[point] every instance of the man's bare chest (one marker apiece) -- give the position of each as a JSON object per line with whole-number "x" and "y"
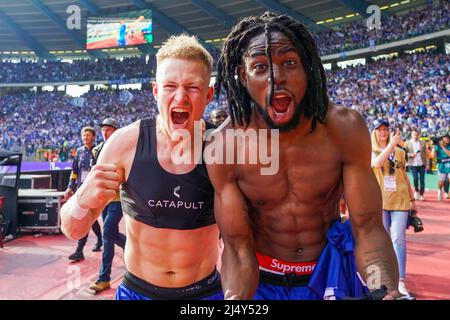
{"x": 306, "y": 174}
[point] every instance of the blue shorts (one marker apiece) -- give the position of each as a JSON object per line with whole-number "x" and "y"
{"x": 335, "y": 276}
{"x": 134, "y": 288}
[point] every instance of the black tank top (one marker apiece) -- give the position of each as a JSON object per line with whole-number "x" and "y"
{"x": 161, "y": 199}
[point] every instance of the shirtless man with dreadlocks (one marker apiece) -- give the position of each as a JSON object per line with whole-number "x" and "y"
{"x": 288, "y": 224}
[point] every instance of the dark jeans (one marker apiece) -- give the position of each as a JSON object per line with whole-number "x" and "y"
{"x": 98, "y": 232}
{"x": 418, "y": 173}
{"x": 112, "y": 215}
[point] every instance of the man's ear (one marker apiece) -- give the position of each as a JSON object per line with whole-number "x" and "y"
{"x": 210, "y": 94}
{"x": 155, "y": 89}
{"x": 242, "y": 75}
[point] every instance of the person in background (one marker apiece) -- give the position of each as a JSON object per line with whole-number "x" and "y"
{"x": 442, "y": 153}
{"x": 389, "y": 166}
{"x": 112, "y": 214}
{"x": 417, "y": 161}
{"x": 81, "y": 166}
{"x": 218, "y": 116}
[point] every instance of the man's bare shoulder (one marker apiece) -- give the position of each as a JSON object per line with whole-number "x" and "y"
{"x": 120, "y": 143}
{"x": 345, "y": 123}
{"x": 338, "y": 116}
{"x": 348, "y": 130}
{"x": 125, "y": 137}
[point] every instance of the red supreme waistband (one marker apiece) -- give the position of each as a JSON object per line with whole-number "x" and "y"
{"x": 278, "y": 266}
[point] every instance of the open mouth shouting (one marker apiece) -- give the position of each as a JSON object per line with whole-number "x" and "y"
{"x": 179, "y": 117}
{"x": 282, "y": 108}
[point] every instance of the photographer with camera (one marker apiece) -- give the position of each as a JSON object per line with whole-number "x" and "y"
{"x": 441, "y": 151}
{"x": 389, "y": 164}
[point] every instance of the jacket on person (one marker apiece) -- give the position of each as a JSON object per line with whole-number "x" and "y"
{"x": 410, "y": 150}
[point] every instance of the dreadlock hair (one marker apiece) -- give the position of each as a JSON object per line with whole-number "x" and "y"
{"x": 315, "y": 101}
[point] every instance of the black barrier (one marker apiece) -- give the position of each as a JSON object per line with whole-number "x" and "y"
{"x": 12, "y": 178}
{"x": 59, "y": 178}
{"x": 10, "y": 163}
{"x": 39, "y": 200}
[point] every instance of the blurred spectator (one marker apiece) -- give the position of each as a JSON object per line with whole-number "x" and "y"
{"x": 417, "y": 161}
{"x": 112, "y": 214}
{"x": 442, "y": 153}
{"x": 80, "y": 168}
{"x": 389, "y": 164}
{"x": 217, "y": 116}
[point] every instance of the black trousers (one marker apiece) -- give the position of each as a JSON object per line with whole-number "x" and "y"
{"x": 418, "y": 174}
{"x": 98, "y": 232}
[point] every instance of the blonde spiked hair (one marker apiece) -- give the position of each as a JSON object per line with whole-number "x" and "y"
{"x": 184, "y": 46}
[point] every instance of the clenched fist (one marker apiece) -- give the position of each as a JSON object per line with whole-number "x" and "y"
{"x": 101, "y": 186}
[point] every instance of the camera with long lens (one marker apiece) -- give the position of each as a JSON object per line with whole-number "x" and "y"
{"x": 415, "y": 221}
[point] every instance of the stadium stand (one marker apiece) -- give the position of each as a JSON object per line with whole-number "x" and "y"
{"x": 412, "y": 90}
{"x": 342, "y": 37}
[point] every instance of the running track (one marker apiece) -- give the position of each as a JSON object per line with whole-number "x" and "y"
{"x": 37, "y": 267}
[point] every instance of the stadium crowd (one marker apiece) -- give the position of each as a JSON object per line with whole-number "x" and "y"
{"x": 410, "y": 91}
{"x": 77, "y": 70}
{"x": 393, "y": 27}
{"x": 343, "y": 37}
{"x": 53, "y": 120}
{"x": 111, "y": 69}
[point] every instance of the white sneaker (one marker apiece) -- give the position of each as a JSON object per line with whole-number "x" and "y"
{"x": 402, "y": 288}
{"x": 440, "y": 195}
{"x": 446, "y": 196}
{"x": 421, "y": 198}
{"x": 416, "y": 195}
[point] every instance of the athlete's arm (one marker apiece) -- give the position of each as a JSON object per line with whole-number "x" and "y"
{"x": 100, "y": 187}
{"x": 239, "y": 271}
{"x": 374, "y": 252}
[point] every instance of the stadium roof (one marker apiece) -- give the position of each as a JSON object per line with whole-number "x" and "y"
{"x": 40, "y": 25}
